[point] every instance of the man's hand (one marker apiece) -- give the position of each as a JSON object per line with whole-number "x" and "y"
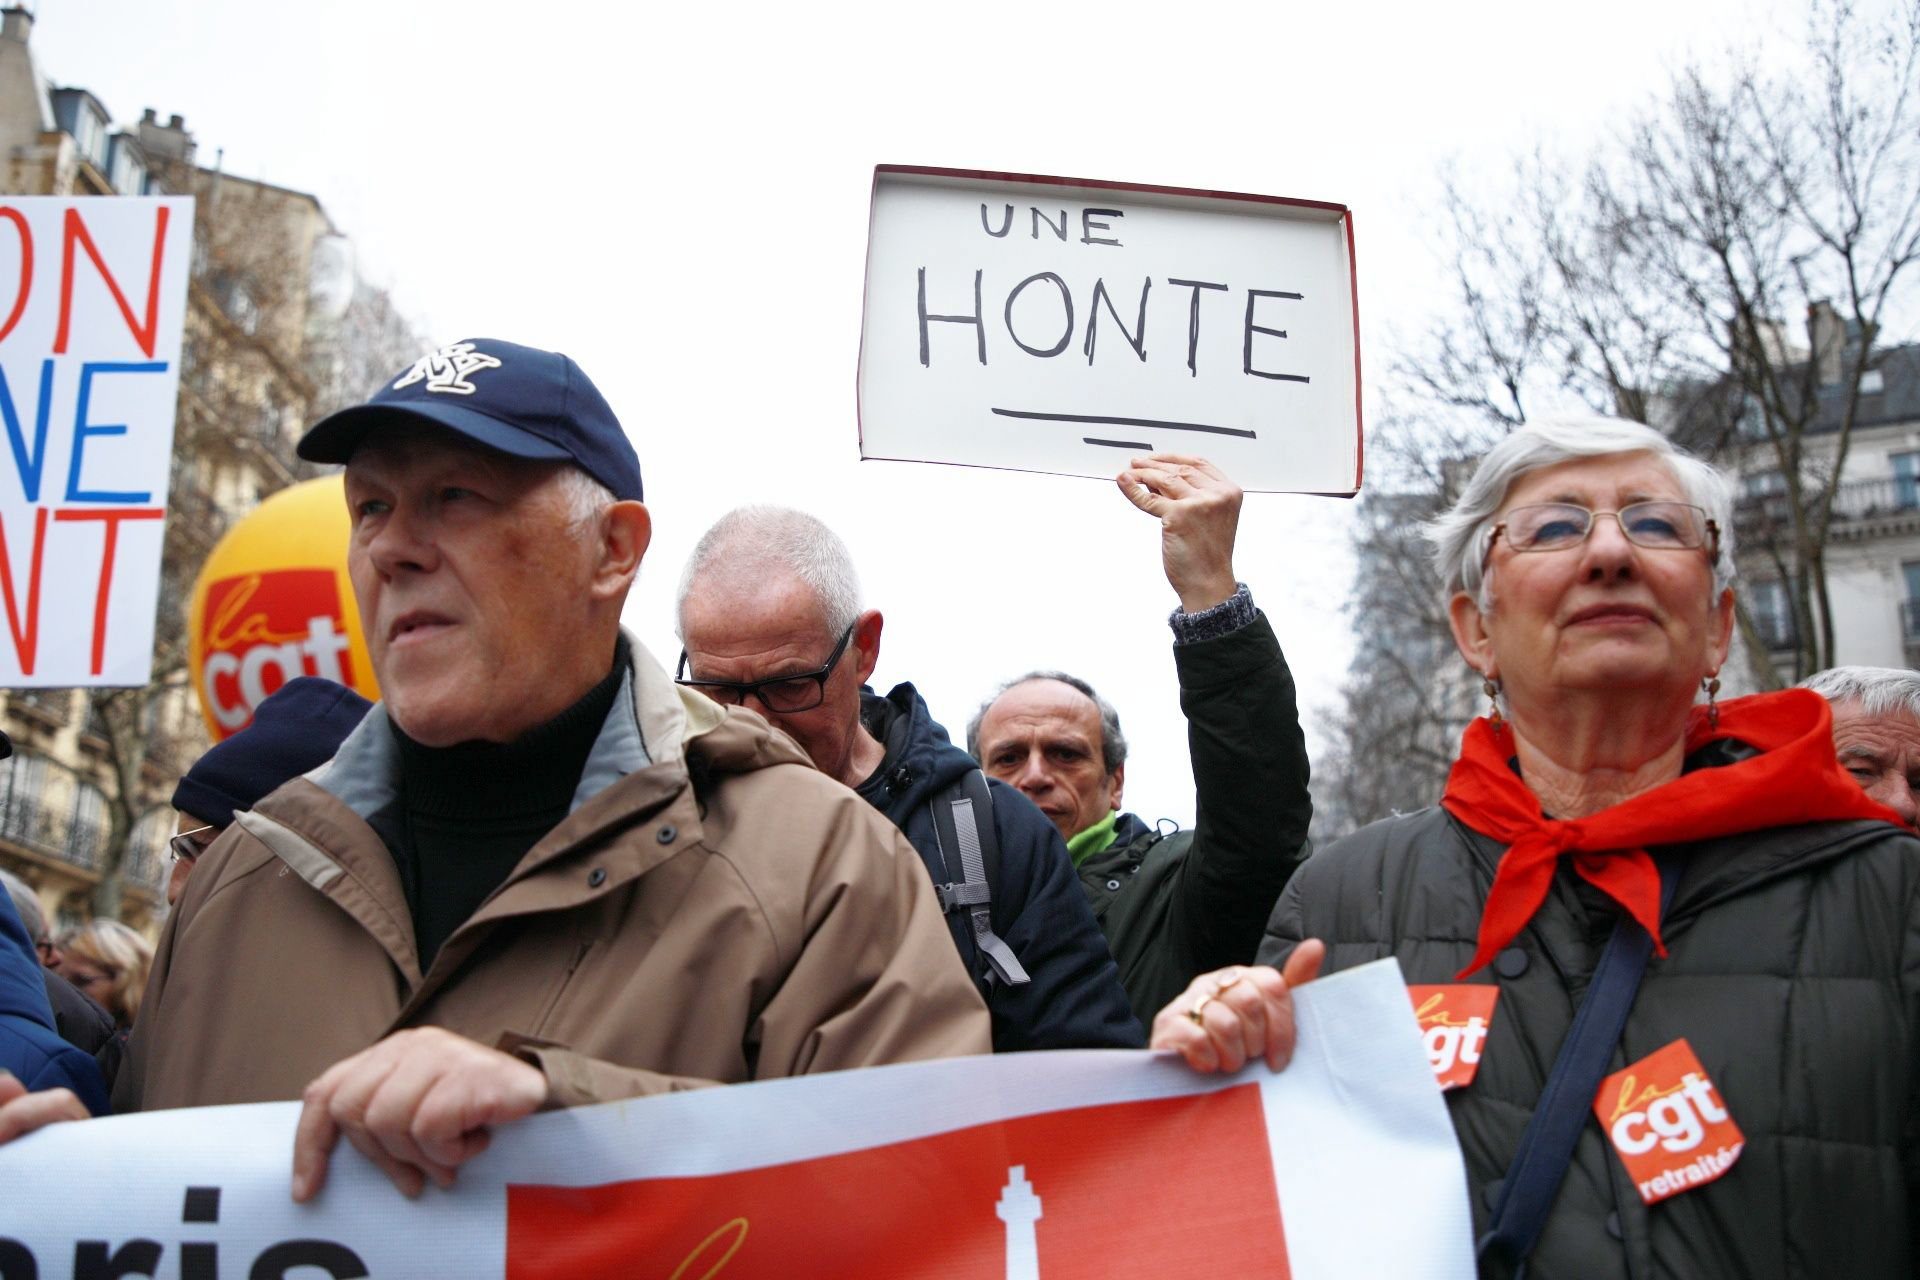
{"x": 22, "y": 1112}
{"x": 1199, "y": 511}
{"x": 418, "y": 1104}
{"x": 1226, "y": 1019}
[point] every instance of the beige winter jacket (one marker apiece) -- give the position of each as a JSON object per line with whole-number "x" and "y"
{"x": 763, "y": 923}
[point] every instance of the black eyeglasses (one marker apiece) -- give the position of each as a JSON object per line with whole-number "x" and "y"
{"x": 800, "y": 692}
{"x": 184, "y": 848}
{"x": 1560, "y": 526}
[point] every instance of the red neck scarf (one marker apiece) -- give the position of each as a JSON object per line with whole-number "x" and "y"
{"x": 1795, "y": 779}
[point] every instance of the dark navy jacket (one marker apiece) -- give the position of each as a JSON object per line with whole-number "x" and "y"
{"x": 29, "y": 1046}
{"x": 1075, "y": 1000}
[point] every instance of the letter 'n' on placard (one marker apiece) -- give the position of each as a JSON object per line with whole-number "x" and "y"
{"x": 1063, "y": 325}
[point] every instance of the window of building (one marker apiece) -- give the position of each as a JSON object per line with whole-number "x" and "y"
{"x": 24, "y": 818}
{"x": 1770, "y": 604}
{"x": 1906, "y": 480}
{"x": 1763, "y": 484}
{"x": 87, "y": 833}
{"x": 1910, "y": 607}
{"x": 237, "y": 301}
{"x": 90, "y": 135}
{"x": 146, "y": 863}
{"x": 129, "y": 173}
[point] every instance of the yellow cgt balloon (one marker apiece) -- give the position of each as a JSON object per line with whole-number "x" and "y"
{"x": 273, "y": 603}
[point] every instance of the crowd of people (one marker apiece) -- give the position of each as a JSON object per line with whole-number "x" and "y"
{"x": 543, "y": 872}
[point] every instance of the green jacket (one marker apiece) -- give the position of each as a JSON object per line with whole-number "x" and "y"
{"x": 1793, "y": 972}
{"x": 1174, "y": 906}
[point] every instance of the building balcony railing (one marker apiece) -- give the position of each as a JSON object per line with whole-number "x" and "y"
{"x": 51, "y": 706}
{"x": 146, "y": 866}
{"x": 1853, "y": 501}
{"x": 31, "y": 825}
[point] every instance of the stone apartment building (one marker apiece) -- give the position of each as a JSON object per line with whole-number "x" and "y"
{"x": 1873, "y": 544}
{"x": 271, "y": 286}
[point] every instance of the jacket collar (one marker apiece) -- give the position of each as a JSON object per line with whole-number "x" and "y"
{"x": 920, "y": 757}
{"x": 644, "y": 744}
{"x": 364, "y": 773}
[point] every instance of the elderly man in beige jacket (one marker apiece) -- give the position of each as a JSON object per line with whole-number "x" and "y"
{"x": 537, "y": 875}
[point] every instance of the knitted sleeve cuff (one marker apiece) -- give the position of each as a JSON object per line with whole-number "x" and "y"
{"x": 1223, "y": 619}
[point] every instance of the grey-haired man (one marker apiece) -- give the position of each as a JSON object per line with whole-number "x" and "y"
{"x": 1876, "y": 731}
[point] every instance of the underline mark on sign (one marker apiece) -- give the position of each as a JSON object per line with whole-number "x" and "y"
{"x": 1119, "y": 444}
{"x": 1102, "y": 419}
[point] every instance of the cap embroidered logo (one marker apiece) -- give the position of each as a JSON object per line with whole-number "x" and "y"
{"x": 447, "y": 369}
{"x": 1671, "y": 1127}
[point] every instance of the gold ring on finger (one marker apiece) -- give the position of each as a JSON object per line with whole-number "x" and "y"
{"x": 1198, "y": 1014}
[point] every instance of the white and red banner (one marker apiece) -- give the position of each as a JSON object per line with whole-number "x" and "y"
{"x": 92, "y": 303}
{"x": 1029, "y": 1166}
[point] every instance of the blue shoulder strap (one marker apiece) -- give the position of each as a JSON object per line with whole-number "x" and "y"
{"x": 1546, "y": 1148}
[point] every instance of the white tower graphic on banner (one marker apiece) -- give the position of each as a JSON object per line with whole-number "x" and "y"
{"x": 1019, "y": 1208}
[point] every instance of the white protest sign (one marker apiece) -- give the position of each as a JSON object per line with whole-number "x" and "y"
{"x": 1094, "y": 1164}
{"x": 1051, "y": 324}
{"x": 92, "y": 302}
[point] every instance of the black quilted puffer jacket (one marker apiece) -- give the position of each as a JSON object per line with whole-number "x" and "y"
{"x": 1793, "y": 971}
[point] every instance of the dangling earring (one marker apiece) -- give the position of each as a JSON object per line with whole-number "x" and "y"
{"x": 1491, "y": 687}
{"x": 1712, "y": 685}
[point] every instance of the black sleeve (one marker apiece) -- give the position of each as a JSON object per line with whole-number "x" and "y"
{"x": 1075, "y": 1000}
{"x": 1284, "y": 928}
{"x": 1250, "y": 776}
{"x": 80, "y": 1022}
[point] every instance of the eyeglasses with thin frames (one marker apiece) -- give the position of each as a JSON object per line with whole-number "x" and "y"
{"x": 185, "y": 848}
{"x": 1561, "y": 526}
{"x": 802, "y": 691}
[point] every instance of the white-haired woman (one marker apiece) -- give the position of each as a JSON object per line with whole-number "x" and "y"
{"x": 1735, "y": 923}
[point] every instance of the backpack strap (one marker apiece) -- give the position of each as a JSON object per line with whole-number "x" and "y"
{"x": 1546, "y": 1148}
{"x": 963, "y": 824}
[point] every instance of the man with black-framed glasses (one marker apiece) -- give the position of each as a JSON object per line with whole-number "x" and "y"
{"x": 770, "y": 614}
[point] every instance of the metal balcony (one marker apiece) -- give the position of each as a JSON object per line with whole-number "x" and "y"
{"x": 1860, "y": 508}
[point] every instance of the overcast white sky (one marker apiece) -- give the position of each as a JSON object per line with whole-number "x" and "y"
{"x": 677, "y": 197}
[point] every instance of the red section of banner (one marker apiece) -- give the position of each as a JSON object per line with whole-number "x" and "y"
{"x": 1174, "y": 1186}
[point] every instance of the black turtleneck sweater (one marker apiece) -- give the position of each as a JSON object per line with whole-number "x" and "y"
{"x": 469, "y": 813}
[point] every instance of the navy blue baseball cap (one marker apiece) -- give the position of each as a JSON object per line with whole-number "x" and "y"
{"x": 515, "y": 400}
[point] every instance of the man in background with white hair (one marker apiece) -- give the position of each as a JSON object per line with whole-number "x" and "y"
{"x": 1876, "y": 731}
{"x": 770, "y": 613}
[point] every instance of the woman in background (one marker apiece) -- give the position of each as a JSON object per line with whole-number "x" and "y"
{"x": 109, "y": 962}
